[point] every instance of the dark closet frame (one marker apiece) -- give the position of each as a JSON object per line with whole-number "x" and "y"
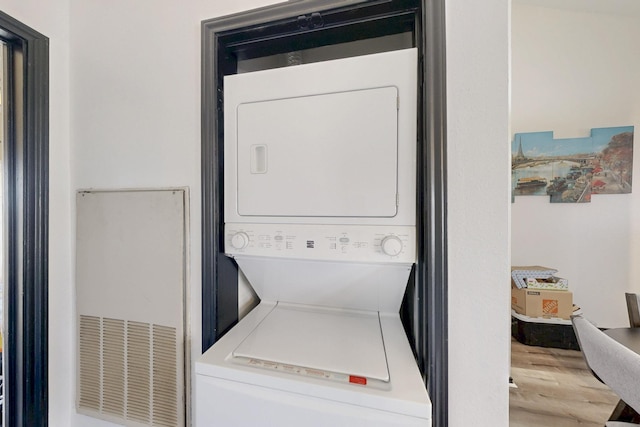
{"x": 303, "y": 24}
{"x": 26, "y": 164}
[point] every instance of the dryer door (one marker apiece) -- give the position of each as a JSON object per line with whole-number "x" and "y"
{"x": 327, "y": 155}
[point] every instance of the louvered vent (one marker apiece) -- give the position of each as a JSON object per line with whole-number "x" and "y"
{"x": 90, "y": 362}
{"x": 130, "y": 303}
{"x": 113, "y": 373}
{"x": 128, "y": 371}
{"x": 164, "y": 377}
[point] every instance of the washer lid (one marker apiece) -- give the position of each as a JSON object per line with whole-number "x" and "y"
{"x": 329, "y": 340}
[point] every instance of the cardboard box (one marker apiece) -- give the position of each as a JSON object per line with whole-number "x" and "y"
{"x": 542, "y": 302}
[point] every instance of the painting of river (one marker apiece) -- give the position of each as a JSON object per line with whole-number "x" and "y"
{"x": 570, "y": 170}
{"x": 548, "y": 171}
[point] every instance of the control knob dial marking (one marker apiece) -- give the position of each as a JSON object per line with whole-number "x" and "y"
{"x": 240, "y": 240}
{"x": 391, "y": 245}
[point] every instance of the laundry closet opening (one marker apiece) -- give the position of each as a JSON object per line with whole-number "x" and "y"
{"x": 305, "y": 32}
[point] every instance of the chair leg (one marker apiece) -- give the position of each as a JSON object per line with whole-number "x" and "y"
{"x": 625, "y": 413}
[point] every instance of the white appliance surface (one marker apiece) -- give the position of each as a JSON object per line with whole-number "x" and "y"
{"x": 288, "y": 158}
{"x": 354, "y": 243}
{"x": 233, "y": 392}
{"x": 356, "y": 286}
{"x": 345, "y": 344}
{"x": 331, "y": 142}
{"x": 320, "y": 215}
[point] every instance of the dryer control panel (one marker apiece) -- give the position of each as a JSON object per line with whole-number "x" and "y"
{"x": 364, "y": 243}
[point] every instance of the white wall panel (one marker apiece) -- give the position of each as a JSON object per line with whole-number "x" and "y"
{"x": 478, "y": 211}
{"x": 574, "y": 70}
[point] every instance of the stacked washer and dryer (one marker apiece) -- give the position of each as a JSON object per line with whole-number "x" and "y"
{"x": 320, "y": 215}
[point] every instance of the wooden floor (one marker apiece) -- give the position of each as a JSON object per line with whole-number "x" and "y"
{"x": 555, "y": 388}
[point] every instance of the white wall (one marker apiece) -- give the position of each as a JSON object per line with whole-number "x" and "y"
{"x": 125, "y": 90}
{"x": 478, "y": 211}
{"x": 52, "y": 20}
{"x": 135, "y": 97}
{"x": 574, "y": 70}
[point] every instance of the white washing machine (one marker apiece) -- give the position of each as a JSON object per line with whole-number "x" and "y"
{"x": 320, "y": 176}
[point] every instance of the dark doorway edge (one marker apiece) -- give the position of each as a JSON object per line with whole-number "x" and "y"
{"x": 27, "y": 210}
{"x": 434, "y": 192}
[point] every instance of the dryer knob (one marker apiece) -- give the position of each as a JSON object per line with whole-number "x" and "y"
{"x": 391, "y": 245}
{"x": 240, "y": 240}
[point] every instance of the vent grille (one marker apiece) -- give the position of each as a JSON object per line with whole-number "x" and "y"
{"x": 164, "y": 377}
{"x": 128, "y": 371}
{"x": 114, "y": 369}
{"x": 139, "y": 372}
{"x": 90, "y": 362}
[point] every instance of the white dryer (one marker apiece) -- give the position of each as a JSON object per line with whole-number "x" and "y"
{"x": 320, "y": 217}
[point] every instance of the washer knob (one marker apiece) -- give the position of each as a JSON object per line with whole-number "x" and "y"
{"x": 391, "y": 245}
{"x": 239, "y": 240}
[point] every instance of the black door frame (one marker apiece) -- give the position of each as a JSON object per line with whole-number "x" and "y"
{"x": 295, "y": 26}
{"x": 26, "y": 166}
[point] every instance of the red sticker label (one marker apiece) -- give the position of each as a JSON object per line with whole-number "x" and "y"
{"x": 357, "y": 380}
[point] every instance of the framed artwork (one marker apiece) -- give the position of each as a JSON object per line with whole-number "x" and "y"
{"x": 571, "y": 170}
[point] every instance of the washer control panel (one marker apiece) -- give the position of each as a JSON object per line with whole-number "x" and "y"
{"x": 364, "y": 243}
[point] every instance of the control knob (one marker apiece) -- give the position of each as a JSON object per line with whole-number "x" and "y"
{"x": 391, "y": 245}
{"x": 240, "y": 240}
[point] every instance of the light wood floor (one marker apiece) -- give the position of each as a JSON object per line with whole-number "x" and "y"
{"x": 555, "y": 389}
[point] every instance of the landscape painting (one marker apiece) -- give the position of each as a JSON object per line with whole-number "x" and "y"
{"x": 571, "y": 170}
